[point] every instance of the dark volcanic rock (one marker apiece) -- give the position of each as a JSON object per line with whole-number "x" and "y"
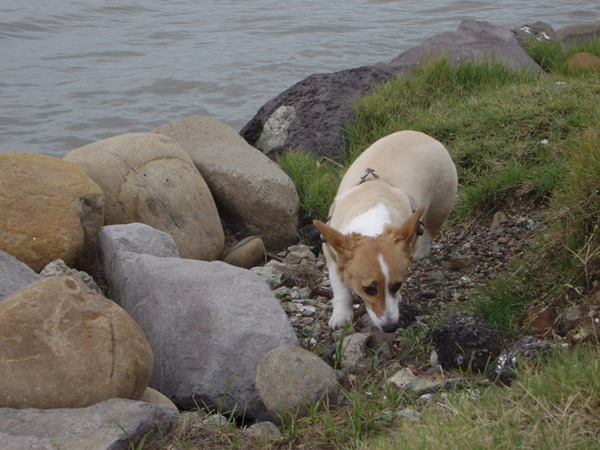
{"x": 310, "y": 116}
{"x": 466, "y": 341}
{"x": 323, "y": 105}
{"x": 525, "y": 351}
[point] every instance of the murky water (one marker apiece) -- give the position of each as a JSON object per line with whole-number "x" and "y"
{"x": 73, "y": 72}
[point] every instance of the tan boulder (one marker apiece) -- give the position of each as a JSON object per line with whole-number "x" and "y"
{"x": 148, "y": 178}
{"x": 49, "y": 209}
{"x": 247, "y": 253}
{"x": 253, "y": 194}
{"x": 583, "y": 62}
{"x": 153, "y": 396}
{"x": 64, "y": 346}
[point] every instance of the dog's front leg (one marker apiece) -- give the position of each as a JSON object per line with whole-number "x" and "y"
{"x": 342, "y": 301}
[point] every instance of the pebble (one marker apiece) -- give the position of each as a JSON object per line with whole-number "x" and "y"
{"x": 461, "y": 259}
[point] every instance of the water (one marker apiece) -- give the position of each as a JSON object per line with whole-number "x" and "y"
{"x": 74, "y": 72}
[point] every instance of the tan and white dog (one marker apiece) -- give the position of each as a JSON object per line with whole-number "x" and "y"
{"x": 401, "y": 184}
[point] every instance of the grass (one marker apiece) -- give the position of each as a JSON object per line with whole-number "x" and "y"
{"x": 552, "y": 56}
{"x": 515, "y": 137}
{"x": 563, "y": 263}
{"x": 554, "y": 406}
{"x": 506, "y": 131}
{"x": 316, "y": 181}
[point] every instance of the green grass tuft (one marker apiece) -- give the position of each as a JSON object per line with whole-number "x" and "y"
{"x": 505, "y": 130}
{"x": 553, "y": 56}
{"x": 316, "y": 180}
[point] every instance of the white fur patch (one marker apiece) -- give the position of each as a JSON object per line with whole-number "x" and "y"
{"x": 391, "y": 313}
{"x": 371, "y": 222}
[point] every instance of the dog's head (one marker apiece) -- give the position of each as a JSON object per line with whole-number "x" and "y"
{"x": 374, "y": 267}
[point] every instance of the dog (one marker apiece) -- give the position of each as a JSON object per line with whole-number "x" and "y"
{"x": 390, "y": 204}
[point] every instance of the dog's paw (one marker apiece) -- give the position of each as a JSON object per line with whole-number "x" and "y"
{"x": 340, "y": 318}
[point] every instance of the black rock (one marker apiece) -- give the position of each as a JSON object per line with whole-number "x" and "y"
{"x": 466, "y": 341}
{"x": 525, "y": 351}
{"x": 323, "y": 106}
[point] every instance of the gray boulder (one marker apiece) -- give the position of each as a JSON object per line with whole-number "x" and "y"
{"x": 572, "y": 34}
{"x": 113, "y": 424}
{"x": 253, "y": 194}
{"x": 209, "y": 325}
{"x": 311, "y": 115}
{"x": 14, "y": 274}
{"x": 472, "y": 41}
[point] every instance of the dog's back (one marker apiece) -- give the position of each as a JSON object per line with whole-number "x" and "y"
{"x": 414, "y": 163}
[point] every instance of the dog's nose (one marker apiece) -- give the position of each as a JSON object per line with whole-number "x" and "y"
{"x": 390, "y": 328}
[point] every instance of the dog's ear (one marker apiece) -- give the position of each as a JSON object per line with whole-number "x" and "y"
{"x": 333, "y": 237}
{"x": 407, "y": 231}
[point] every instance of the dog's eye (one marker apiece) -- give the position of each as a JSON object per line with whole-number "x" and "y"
{"x": 396, "y": 287}
{"x": 370, "y": 290}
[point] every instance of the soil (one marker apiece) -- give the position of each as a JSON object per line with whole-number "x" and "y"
{"x": 462, "y": 258}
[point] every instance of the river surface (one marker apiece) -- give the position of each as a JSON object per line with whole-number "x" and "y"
{"x": 76, "y": 71}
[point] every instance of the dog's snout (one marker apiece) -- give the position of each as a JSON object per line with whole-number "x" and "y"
{"x": 390, "y": 328}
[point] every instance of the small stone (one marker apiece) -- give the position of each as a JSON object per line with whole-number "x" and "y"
{"x": 271, "y": 273}
{"x": 410, "y": 414}
{"x": 434, "y": 277}
{"x": 402, "y": 378}
{"x": 263, "y": 429}
{"x": 461, "y": 262}
{"x": 215, "y": 421}
{"x": 571, "y": 316}
{"x": 291, "y": 379}
{"x": 275, "y": 129}
{"x": 58, "y": 267}
{"x": 153, "y": 396}
{"x": 429, "y": 295}
{"x": 527, "y": 349}
{"x": 247, "y": 253}
{"x": 354, "y": 351}
{"x": 498, "y": 218}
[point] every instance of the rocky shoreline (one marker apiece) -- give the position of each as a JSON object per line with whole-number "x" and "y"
{"x": 149, "y": 216}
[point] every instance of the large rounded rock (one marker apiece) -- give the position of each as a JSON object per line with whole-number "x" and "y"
{"x": 253, "y": 194}
{"x": 49, "y": 209}
{"x": 148, "y": 178}
{"x": 291, "y": 380}
{"x": 64, "y": 346}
